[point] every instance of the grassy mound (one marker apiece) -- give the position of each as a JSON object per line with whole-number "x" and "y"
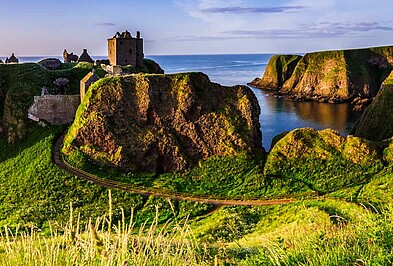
{"x": 323, "y": 159}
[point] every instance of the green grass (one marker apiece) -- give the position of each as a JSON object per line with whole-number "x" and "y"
{"x": 326, "y": 232}
{"x": 33, "y": 191}
{"x": 36, "y": 193}
{"x": 103, "y": 243}
{"x": 323, "y": 160}
{"x": 365, "y": 240}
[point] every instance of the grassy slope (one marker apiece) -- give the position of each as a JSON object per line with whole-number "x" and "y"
{"x": 34, "y": 191}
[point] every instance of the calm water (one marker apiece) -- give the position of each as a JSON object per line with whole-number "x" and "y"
{"x": 277, "y": 114}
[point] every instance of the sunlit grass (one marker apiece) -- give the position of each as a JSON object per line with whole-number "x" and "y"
{"x": 103, "y": 243}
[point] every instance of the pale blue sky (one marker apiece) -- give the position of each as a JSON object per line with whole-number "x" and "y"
{"x": 46, "y": 27}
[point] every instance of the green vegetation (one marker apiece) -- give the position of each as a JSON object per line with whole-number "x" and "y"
{"x": 95, "y": 244}
{"x": 323, "y": 160}
{"x": 327, "y": 232}
{"x": 351, "y": 224}
{"x": 311, "y": 233}
{"x": 33, "y": 191}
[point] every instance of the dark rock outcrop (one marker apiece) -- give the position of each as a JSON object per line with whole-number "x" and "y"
{"x": 376, "y": 122}
{"x": 329, "y": 76}
{"x": 50, "y": 63}
{"x": 164, "y": 123}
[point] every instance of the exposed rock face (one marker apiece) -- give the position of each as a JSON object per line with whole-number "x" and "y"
{"x": 330, "y": 76}
{"x": 322, "y": 158}
{"x": 376, "y": 122}
{"x": 164, "y": 123}
{"x": 278, "y": 70}
{"x": 50, "y": 63}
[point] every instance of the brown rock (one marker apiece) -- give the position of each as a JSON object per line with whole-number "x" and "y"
{"x": 164, "y": 123}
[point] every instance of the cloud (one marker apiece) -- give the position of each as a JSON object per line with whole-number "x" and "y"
{"x": 315, "y": 30}
{"x": 105, "y": 24}
{"x": 244, "y": 10}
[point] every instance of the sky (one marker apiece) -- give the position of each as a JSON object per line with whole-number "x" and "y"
{"x": 46, "y": 27}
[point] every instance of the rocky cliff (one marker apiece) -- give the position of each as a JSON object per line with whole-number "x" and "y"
{"x": 329, "y": 76}
{"x": 376, "y": 122}
{"x": 278, "y": 70}
{"x": 164, "y": 123}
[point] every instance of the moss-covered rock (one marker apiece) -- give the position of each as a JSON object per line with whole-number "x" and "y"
{"x": 376, "y": 122}
{"x": 163, "y": 123}
{"x": 330, "y": 76}
{"x": 149, "y": 67}
{"x": 323, "y": 159}
{"x": 278, "y": 71}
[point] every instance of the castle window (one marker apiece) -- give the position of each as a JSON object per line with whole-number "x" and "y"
{"x": 130, "y": 51}
{"x": 121, "y": 42}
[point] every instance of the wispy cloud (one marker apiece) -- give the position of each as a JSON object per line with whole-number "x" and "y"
{"x": 105, "y": 24}
{"x": 303, "y": 31}
{"x": 314, "y": 30}
{"x": 245, "y": 10}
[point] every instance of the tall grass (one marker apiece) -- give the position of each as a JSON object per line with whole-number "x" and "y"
{"x": 103, "y": 243}
{"x": 368, "y": 240}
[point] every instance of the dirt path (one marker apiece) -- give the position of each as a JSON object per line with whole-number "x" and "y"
{"x": 58, "y": 160}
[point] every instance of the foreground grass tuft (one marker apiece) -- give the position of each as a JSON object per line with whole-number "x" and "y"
{"x": 101, "y": 243}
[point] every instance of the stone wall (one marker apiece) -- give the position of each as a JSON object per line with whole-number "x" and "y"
{"x": 54, "y": 109}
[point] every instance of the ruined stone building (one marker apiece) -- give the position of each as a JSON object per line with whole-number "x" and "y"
{"x": 54, "y": 109}
{"x": 85, "y": 57}
{"x": 87, "y": 81}
{"x": 123, "y": 49}
{"x": 68, "y": 58}
{"x": 12, "y": 59}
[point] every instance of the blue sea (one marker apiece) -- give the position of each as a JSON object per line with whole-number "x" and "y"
{"x": 277, "y": 113}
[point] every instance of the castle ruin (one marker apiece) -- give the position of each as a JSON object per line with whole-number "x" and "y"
{"x": 123, "y": 49}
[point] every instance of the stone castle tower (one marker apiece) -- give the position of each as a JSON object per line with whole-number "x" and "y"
{"x": 123, "y": 49}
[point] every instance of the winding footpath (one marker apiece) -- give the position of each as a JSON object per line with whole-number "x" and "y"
{"x": 62, "y": 164}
